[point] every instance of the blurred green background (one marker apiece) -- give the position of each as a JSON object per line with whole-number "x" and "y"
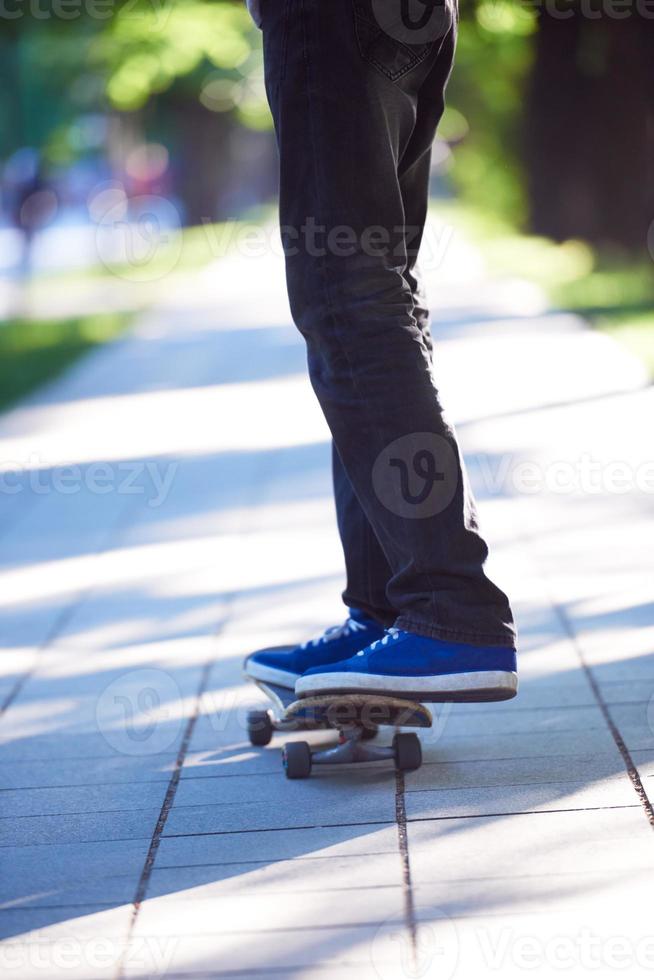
{"x": 545, "y": 156}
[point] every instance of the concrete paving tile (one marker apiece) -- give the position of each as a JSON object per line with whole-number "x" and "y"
{"x": 238, "y": 759}
{"x": 58, "y": 744}
{"x": 277, "y": 844}
{"x": 103, "y": 771}
{"x": 180, "y": 915}
{"x": 78, "y": 828}
{"x": 61, "y": 526}
{"x": 637, "y": 738}
{"x": 582, "y": 944}
{"x": 15, "y": 662}
{"x": 40, "y": 865}
{"x": 552, "y": 694}
{"x": 274, "y": 815}
{"x": 18, "y": 921}
{"x": 616, "y": 791}
{"x": 626, "y": 691}
{"x": 332, "y": 786}
{"x": 541, "y": 844}
{"x": 513, "y": 772}
{"x": 288, "y": 952}
{"x": 71, "y": 944}
{"x": 7, "y": 690}
{"x": 525, "y": 893}
{"x": 644, "y": 760}
{"x": 304, "y": 874}
{"x": 69, "y": 724}
{"x": 81, "y": 799}
{"x": 29, "y": 626}
{"x": 454, "y": 720}
{"x": 632, "y": 669}
{"x": 100, "y": 691}
{"x": 573, "y": 745}
{"x": 635, "y": 723}
{"x": 83, "y": 894}
{"x": 91, "y": 695}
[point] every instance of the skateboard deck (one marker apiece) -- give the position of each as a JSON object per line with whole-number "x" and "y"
{"x": 281, "y": 697}
{"x": 366, "y": 710}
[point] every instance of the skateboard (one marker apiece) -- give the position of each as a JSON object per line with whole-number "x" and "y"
{"x": 357, "y": 719}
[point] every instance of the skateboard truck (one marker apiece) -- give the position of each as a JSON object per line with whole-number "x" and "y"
{"x": 298, "y": 758}
{"x": 357, "y": 719}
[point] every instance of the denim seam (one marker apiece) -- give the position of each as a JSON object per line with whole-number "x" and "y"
{"x": 286, "y": 39}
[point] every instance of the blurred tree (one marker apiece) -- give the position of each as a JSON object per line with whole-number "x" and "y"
{"x": 196, "y": 67}
{"x": 589, "y": 128}
{"x": 550, "y": 113}
{"x": 558, "y": 116}
{"x": 486, "y": 104}
{"x": 187, "y": 71}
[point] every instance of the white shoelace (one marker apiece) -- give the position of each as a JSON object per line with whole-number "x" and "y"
{"x": 389, "y": 636}
{"x": 335, "y": 633}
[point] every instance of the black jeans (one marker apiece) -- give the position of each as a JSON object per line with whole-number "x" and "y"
{"x": 355, "y": 113}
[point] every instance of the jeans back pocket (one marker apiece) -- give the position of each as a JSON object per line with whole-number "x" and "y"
{"x": 395, "y": 36}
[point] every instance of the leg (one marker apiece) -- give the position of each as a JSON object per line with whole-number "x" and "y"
{"x": 367, "y": 570}
{"x": 352, "y": 139}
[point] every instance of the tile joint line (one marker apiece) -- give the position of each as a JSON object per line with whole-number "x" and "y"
{"x": 166, "y": 806}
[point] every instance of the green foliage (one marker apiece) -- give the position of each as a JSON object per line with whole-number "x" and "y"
{"x": 125, "y": 54}
{"x": 35, "y": 351}
{"x": 47, "y": 81}
{"x": 146, "y": 48}
{"x": 487, "y": 91}
{"x": 120, "y": 56}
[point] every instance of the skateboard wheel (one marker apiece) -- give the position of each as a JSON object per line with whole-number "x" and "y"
{"x": 408, "y": 751}
{"x": 260, "y": 727}
{"x": 368, "y": 732}
{"x": 297, "y": 760}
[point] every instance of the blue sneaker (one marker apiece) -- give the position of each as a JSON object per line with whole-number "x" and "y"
{"x": 418, "y": 668}
{"x": 284, "y": 666}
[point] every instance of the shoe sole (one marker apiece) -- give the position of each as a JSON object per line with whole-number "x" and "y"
{"x": 478, "y": 685}
{"x": 271, "y": 675}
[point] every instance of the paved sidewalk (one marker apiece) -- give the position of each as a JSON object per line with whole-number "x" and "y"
{"x": 142, "y": 836}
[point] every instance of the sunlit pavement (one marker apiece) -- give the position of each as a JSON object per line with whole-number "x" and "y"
{"x": 165, "y": 509}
